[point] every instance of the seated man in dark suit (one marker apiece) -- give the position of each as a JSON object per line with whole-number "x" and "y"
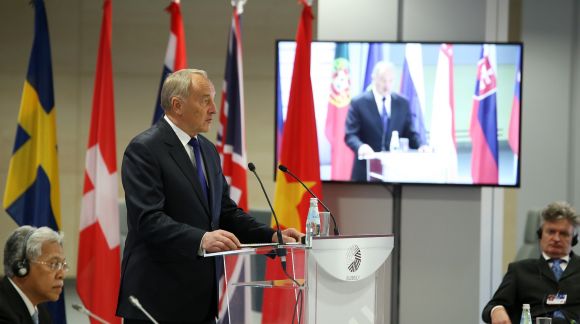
{"x": 34, "y": 266}
{"x": 374, "y": 115}
{"x": 550, "y": 284}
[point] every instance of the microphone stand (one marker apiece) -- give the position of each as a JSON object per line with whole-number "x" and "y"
{"x": 280, "y": 251}
{"x": 82, "y": 309}
{"x": 285, "y": 170}
{"x": 137, "y": 304}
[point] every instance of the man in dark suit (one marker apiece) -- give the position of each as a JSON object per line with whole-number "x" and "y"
{"x": 178, "y": 207}
{"x": 34, "y": 267}
{"x": 374, "y": 115}
{"x": 550, "y": 284}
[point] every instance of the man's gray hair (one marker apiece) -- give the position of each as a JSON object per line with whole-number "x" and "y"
{"x": 177, "y": 84}
{"x": 382, "y": 66}
{"x": 36, "y": 238}
{"x": 560, "y": 210}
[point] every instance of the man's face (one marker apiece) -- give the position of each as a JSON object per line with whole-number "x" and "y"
{"x": 43, "y": 284}
{"x": 384, "y": 81}
{"x": 556, "y": 239}
{"x": 196, "y": 112}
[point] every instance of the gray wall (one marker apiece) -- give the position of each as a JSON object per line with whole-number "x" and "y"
{"x": 441, "y": 239}
{"x": 551, "y": 140}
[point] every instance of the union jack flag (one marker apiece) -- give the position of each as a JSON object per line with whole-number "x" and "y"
{"x": 231, "y": 145}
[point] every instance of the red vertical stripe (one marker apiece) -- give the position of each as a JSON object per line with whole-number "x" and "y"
{"x": 299, "y": 153}
{"x": 177, "y": 29}
{"x": 98, "y": 263}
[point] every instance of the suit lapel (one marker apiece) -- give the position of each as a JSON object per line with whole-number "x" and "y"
{"x": 573, "y": 267}
{"x": 16, "y": 302}
{"x": 545, "y": 270}
{"x": 178, "y": 154}
{"x": 377, "y": 121}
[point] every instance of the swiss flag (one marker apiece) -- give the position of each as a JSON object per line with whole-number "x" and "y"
{"x": 99, "y": 257}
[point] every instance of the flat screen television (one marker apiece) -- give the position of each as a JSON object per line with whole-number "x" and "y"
{"x": 450, "y": 114}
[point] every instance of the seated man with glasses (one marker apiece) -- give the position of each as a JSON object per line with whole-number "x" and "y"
{"x": 551, "y": 283}
{"x": 34, "y": 267}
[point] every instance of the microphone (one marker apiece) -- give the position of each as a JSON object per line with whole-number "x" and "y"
{"x": 82, "y": 309}
{"x": 284, "y": 169}
{"x": 137, "y": 304}
{"x": 281, "y": 252}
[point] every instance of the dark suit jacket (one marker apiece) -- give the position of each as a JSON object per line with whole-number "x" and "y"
{"x": 364, "y": 126}
{"x": 530, "y": 281}
{"x": 167, "y": 216}
{"x": 13, "y": 309}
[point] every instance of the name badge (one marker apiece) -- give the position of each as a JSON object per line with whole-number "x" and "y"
{"x": 557, "y": 299}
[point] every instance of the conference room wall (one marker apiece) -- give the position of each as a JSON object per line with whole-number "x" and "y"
{"x": 140, "y": 34}
{"x": 441, "y": 240}
{"x": 140, "y": 31}
{"x": 551, "y": 141}
{"x": 434, "y": 219}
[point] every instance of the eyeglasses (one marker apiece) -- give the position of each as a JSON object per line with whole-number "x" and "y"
{"x": 54, "y": 265}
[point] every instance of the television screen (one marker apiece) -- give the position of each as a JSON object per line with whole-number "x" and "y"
{"x": 412, "y": 113}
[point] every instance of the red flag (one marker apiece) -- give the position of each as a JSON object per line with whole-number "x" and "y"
{"x": 341, "y": 156}
{"x": 175, "y": 57}
{"x": 231, "y": 145}
{"x": 99, "y": 258}
{"x": 299, "y": 153}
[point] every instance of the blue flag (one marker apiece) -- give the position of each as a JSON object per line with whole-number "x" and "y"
{"x": 375, "y": 55}
{"x": 32, "y": 195}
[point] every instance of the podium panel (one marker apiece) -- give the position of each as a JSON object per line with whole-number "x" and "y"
{"x": 341, "y": 277}
{"x": 337, "y": 276}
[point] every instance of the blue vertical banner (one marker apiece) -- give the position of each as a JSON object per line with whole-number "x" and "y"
{"x": 375, "y": 55}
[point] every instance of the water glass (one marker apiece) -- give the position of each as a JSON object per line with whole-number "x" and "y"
{"x": 543, "y": 320}
{"x": 404, "y": 144}
{"x": 324, "y": 223}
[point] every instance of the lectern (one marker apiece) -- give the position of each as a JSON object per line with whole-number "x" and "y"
{"x": 338, "y": 282}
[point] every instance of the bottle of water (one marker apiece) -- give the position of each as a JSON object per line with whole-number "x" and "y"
{"x": 394, "y": 145}
{"x": 312, "y": 222}
{"x": 526, "y": 316}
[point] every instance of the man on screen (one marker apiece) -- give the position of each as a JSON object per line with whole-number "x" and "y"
{"x": 178, "y": 207}
{"x": 551, "y": 283}
{"x": 374, "y": 115}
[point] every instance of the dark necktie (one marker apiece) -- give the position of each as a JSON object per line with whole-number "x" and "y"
{"x": 557, "y": 270}
{"x": 199, "y": 165}
{"x": 385, "y": 120}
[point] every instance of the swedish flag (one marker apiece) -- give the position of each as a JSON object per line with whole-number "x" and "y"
{"x": 32, "y": 195}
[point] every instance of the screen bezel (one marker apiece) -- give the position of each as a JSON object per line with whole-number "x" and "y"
{"x": 479, "y": 185}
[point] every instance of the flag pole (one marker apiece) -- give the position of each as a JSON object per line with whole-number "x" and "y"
{"x": 239, "y": 5}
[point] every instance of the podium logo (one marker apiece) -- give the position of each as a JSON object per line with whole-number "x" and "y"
{"x": 353, "y": 258}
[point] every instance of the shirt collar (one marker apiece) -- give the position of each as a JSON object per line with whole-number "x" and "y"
{"x": 565, "y": 258}
{"x": 31, "y": 308}
{"x": 184, "y": 138}
{"x": 379, "y": 101}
